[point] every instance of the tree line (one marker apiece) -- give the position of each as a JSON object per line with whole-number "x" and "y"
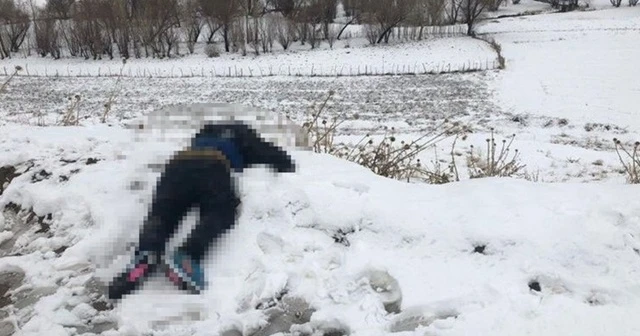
{"x": 96, "y": 29}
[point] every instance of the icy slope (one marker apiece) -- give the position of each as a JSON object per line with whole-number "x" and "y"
{"x": 311, "y": 234}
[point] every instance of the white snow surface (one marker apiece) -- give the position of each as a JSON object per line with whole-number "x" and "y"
{"x": 580, "y": 65}
{"x": 577, "y": 240}
{"x": 346, "y": 58}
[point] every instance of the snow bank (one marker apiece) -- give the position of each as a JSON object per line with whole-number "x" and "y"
{"x": 314, "y": 232}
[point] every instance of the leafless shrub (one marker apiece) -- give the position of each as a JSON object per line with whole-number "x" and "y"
{"x": 353, "y": 11}
{"x": 169, "y": 41}
{"x": 236, "y": 37}
{"x": 387, "y": 157}
{"x": 153, "y": 24}
{"x": 313, "y": 35}
{"x": 453, "y": 13}
{"x": 347, "y": 40}
{"x": 633, "y": 2}
{"x": 266, "y": 33}
{"x": 302, "y": 32}
{"x": 113, "y": 95}
{"x": 400, "y": 160}
{"x": 192, "y": 23}
{"x": 72, "y": 115}
{"x": 285, "y": 32}
{"x": 616, "y": 3}
{"x": 494, "y": 5}
{"x": 87, "y": 34}
{"x": 494, "y": 163}
{"x": 320, "y": 131}
{"x": 498, "y": 49}
{"x": 371, "y": 32}
{"x": 632, "y": 163}
{"x": 14, "y": 26}
{"x": 47, "y": 42}
{"x": 114, "y": 18}
{"x": 533, "y": 176}
{"x": 386, "y": 15}
{"x": 471, "y": 10}
{"x": 332, "y": 34}
{"x": 212, "y": 51}
{"x": 60, "y": 9}
{"x": 439, "y": 175}
{"x": 253, "y": 41}
{"x": 220, "y": 15}
{"x": 427, "y": 13}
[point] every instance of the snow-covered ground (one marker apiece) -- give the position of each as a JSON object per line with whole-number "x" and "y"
{"x": 578, "y": 241}
{"x": 348, "y": 57}
{"x": 581, "y": 66}
{"x": 485, "y": 257}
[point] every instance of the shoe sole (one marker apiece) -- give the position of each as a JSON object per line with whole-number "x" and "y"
{"x": 180, "y": 279}
{"x": 121, "y": 285}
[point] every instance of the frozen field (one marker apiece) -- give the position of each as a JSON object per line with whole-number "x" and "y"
{"x": 347, "y": 58}
{"x": 498, "y": 256}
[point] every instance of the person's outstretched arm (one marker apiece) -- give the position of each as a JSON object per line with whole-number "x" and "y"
{"x": 260, "y": 151}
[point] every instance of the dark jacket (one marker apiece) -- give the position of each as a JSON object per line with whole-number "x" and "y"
{"x": 201, "y": 176}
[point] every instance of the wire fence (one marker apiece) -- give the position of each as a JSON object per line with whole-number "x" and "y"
{"x": 411, "y": 33}
{"x": 258, "y": 71}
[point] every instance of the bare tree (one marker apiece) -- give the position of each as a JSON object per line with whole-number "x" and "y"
{"x": 192, "y": 23}
{"x": 223, "y": 12}
{"x": 387, "y": 14}
{"x": 427, "y": 13}
{"x": 313, "y": 35}
{"x": 212, "y": 27}
{"x": 59, "y": 9}
{"x": 471, "y": 10}
{"x": 284, "y": 31}
{"x": 435, "y": 10}
{"x": 454, "y": 10}
{"x": 114, "y": 18}
{"x": 47, "y": 34}
{"x": 14, "y": 26}
{"x": 153, "y": 20}
{"x": 87, "y": 32}
{"x": 266, "y": 30}
{"x": 327, "y": 15}
{"x": 286, "y": 7}
{"x": 494, "y": 5}
{"x": 353, "y": 9}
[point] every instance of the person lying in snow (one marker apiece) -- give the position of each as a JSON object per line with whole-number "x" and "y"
{"x": 198, "y": 176}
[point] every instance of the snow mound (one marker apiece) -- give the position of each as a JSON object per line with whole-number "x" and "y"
{"x": 322, "y": 251}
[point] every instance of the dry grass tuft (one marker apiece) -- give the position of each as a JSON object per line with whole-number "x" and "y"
{"x": 632, "y": 164}
{"x": 494, "y": 163}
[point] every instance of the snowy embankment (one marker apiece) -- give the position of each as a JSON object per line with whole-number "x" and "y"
{"x": 483, "y": 257}
{"x": 580, "y": 66}
{"x": 346, "y": 58}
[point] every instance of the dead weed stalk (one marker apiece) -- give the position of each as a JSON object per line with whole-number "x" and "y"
{"x": 4, "y": 85}
{"x": 113, "y": 95}
{"x": 632, "y": 168}
{"x": 72, "y": 115}
{"x": 399, "y": 159}
{"x": 494, "y": 164}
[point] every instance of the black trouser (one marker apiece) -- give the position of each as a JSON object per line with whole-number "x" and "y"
{"x": 188, "y": 181}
